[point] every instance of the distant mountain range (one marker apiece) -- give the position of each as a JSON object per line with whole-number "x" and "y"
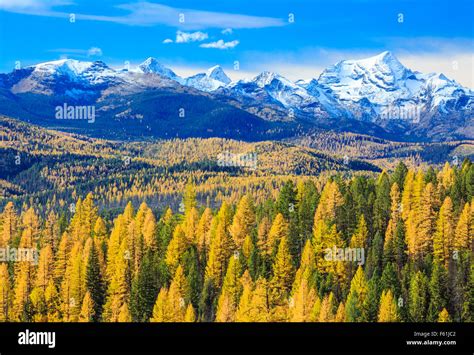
{"x": 376, "y": 96}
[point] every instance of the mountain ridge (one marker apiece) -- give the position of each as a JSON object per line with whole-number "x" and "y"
{"x": 378, "y": 90}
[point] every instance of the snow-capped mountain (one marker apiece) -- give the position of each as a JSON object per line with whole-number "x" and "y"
{"x": 151, "y": 65}
{"x": 379, "y": 90}
{"x": 368, "y": 86}
{"x": 294, "y": 98}
{"x": 209, "y": 81}
{"x": 67, "y": 75}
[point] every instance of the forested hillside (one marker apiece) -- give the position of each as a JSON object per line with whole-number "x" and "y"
{"x": 395, "y": 247}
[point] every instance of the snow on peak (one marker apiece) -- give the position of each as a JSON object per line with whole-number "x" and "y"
{"x": 211, "y": 80}
{"x": 69, "y": 67}
{"x": 217, "y": 73}
{"x": 377, "y": 78}
{"x": 266, "y": 78}
{"x": 151, "y": 65}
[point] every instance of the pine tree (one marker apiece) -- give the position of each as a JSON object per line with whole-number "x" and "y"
{"x": 446, "y": 176}
{"x": 5, "y": 293}
{"x": 407, "y": 201}
{"x": 100, "y": 229}
{"x": 244, "y": 310}
{"x": 89, "y": 217}
{"x": 218, "y": 255}
{"x": 340, "y": 313}
{"x": 325, "y": 241}
{"x": 120, "y": 285}
{"x": 418, "y": 296}
{"x": 371, "y": 302}
{"x": 388, "y": 308}
{"x": 117, "y": 235}
{"x": 149, "y": 230}
{"x": 260, "y": 307}
{"x": 9, "y": 225}
{"x": 444, "y": 316}
{"x": 302, "y": 303}
{"x": 231, "y": 291}
{"x": 204, "y": 232}
{"x": 176, "y": 248}
{"x": 25, "y": 269}
{"x": 307, "y": 201}
{"x": 73, "y": 285}
{"x": 326, "y": 313}
{"x": 190, "y": 225}
{"x": 307, "y": 266}
{"x": 464, "y": 229}
{"x": 444, "y": 235}
{"x": 357, "y": 294}
{"x": 45, "y": 267}
{"x": 395, "y": 215}
{"x": 426, "y": 222}
{"x": 37, "y": 305}
{"x": 278, "y": 230}
{"x": 124, "y": 315}
{"x": 331, "y": 200}
{"x": 190, "y": 316}
{"x": 178, "y": 296}
{"x": 244, "y": 221}
{"x": 51, "y": 231}
{"x": 437, "y": 291}
{"x": 286, "y": 201}
{"x": 389, "y": 279}
{"x": 160, "y": 309}
{"x": 282, "y": 273}
{"x": 264, "y": 243}
{"x": 360, "y": 237}
{"x": 53, "y": 302}
{"x": 189, "y": 197}
{"x": 87, "y": 310}
{"x": 399, "y": 174}
{"x": 95, "y": 284}
{"x": 145, "y": 287}
{"x": 382, "y": 203}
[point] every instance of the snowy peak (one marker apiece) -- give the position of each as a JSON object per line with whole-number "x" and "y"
{"x": 383, "y": 71}
{"x": 69, "y": 67}
{"x": 217, "y": 73}
{"x": 151, "y": 65}
{"x": 265, "y": 78}
{"x": 211, "y": 80}
{"x": 273, "y": 88}
{"x": 378, "y": 79}
{"x": 63, "y": 77}
{"x": 73, "y": 69}
{"x": 368, "y": 86}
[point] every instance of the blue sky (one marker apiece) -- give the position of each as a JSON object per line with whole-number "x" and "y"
{"x": 433, "y": 35}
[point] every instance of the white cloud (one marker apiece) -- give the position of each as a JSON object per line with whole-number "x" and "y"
{"x": 220, "y": 44}
{"x": 186, "y": 37}
{"x": 168, "y": 40}
{"x": 94, "y": 52}
{"x": 31, "y": 5}
{"x": 147, "y": 14}
{"x": 66, "y": 52}
{"x": 227, "y": 31}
